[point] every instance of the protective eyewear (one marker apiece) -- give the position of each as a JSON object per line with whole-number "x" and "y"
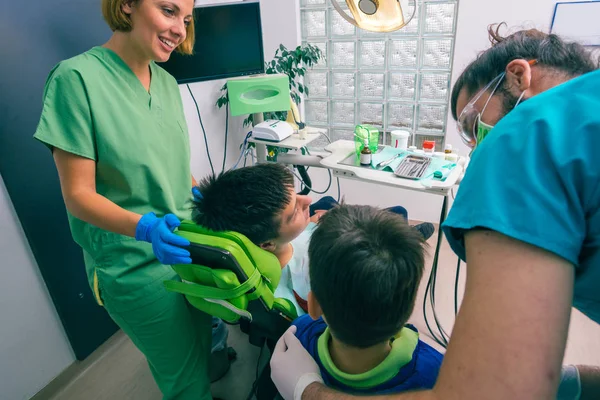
{"x": 470, "y": 116}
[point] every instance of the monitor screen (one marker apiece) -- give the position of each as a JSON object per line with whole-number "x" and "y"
{"x": 228, "y": 43}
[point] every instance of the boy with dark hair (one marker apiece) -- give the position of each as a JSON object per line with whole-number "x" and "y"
{"x": 260, "y": 202}
{"x": 365, "y": 268}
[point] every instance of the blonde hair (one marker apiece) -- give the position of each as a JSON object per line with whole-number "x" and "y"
{"x": 117, "y": 20}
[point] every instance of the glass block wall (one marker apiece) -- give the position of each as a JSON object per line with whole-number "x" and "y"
{"x": 398, "y": 80}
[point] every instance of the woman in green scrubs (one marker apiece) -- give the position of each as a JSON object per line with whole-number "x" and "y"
{"x": 115, "y": 124}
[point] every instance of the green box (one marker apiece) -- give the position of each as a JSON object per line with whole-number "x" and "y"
{"x": 268, "y": 93}
{"x": 366, "y": 131}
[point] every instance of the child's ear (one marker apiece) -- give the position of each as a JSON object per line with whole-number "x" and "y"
{"x": 314, "y": 308}
{"x": 268, "y": 246}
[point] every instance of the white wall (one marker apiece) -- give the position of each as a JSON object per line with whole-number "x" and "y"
{"x": 33, "y": 346}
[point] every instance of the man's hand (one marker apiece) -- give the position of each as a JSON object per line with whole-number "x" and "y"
{"x": 318, "y": 214}
{"x": 292, "y": 368}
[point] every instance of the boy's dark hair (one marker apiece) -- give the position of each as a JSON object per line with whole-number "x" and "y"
{"x": 365, "y": 268}
{"x": 248, "y": 200}
{"x": 550, "y": 51}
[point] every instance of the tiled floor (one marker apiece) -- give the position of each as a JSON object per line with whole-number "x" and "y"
{"x": 120, "y": 371}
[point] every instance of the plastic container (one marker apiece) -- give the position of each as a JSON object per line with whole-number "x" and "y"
{"x": 429, "y": 146}
{"x": 448, "y": 149}
{"x": 439, "y": 154}
{"x": 400, "y": 139}
{"x": 452, "y": 157}
{"x": 362, "y": 132}
{"x": 412, "y": 148}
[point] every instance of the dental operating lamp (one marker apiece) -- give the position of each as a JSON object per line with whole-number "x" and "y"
{"x": 377, "y": 15}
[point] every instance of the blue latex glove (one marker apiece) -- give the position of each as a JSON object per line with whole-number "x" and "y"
{"x": 159, "y": 232}
{"x": 197, "y": 195}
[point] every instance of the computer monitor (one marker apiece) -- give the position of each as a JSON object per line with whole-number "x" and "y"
{"x": 228, "y": 43}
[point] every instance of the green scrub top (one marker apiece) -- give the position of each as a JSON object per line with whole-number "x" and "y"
{"x": 95, "y": 107}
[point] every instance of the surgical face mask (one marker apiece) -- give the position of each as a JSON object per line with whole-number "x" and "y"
{"x": 484, "y": 129}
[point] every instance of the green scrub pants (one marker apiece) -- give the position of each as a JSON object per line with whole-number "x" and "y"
{"x": 176, "y": 340}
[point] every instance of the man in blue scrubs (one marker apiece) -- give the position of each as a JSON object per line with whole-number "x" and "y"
{"x": 527, "y": 221}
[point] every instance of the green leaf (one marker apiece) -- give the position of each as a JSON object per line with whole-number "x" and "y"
{"x": 306, "y": 90}
{"x": 281, "y": 47}
{"x": 301, "y": 88}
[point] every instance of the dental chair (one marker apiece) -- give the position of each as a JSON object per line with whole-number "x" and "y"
{"x": 233, "y": 279}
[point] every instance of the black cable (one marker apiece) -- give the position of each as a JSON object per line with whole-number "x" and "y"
{"x": 339, "y": 191}
{"x": 432, "y": 334}
{"x": 456, "y": 287}
{"x": 226, "y": 130}
{"x": 438, "y": 324}
{"x": 311, "y": 189}
{"x": 203, "y": 131}
{"x": 255, "y": 384}
{"x": 444, "y": 335}
{"x": 305, "y": 180}
{"x": 441, "y": 340}
{"x": 430, "y": 289}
